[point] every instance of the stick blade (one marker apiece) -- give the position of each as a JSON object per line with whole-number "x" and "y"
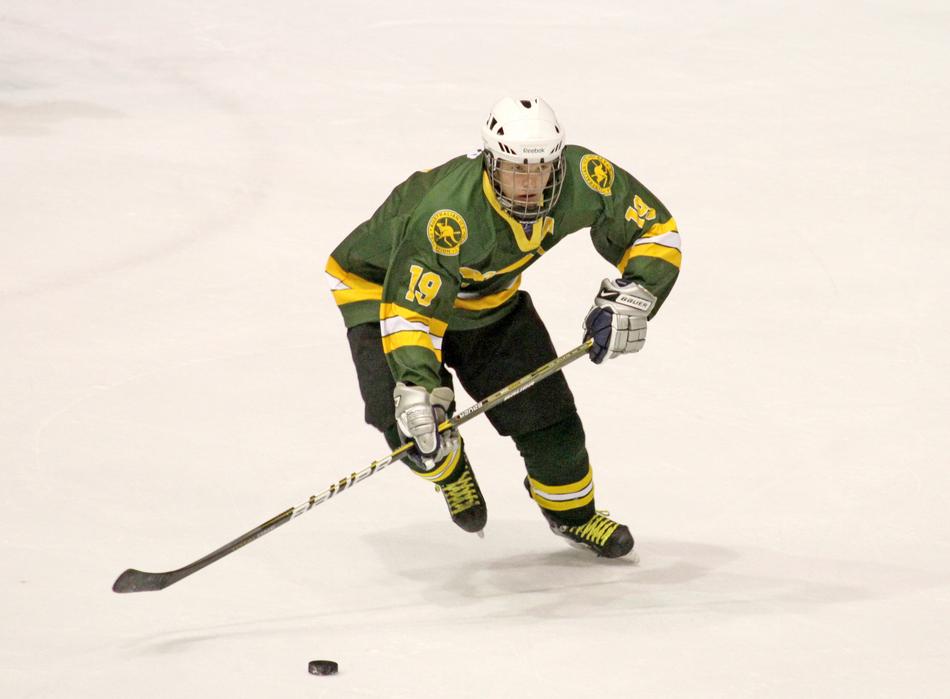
{"x": 138, "y": 581}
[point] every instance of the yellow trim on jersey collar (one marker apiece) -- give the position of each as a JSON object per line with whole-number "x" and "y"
{"x": 538, "y": 231}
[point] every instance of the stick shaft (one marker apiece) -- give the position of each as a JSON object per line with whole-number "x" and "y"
{"x": 133, "y": 580}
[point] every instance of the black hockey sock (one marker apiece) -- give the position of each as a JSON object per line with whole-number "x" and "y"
{"x": 556, "y": 457}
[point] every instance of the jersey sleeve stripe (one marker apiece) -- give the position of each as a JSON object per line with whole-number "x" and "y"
{"x": 659, "y": 229}
{"x": 661, "y": 240}
{"x": 404, "y": 327}
{"x": 671, "y": 255}
{"x": 434, "y": 326}
{"x": 348, "y": 287}
{"x": 670, "y": 240}
{"x": 411, "y": 338}
{"x": 391, "y": 326}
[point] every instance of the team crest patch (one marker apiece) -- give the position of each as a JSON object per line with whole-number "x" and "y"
{"x": 447, "y": 231}
{"x": 597, "y": 173}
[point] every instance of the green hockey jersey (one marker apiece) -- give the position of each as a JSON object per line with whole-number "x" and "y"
{"x": 441, "y": 254}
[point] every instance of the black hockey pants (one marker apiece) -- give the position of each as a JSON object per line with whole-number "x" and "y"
{"x": 542, "y": 421}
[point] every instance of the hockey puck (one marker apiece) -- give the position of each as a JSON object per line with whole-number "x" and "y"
{"x": 323, "y": 667}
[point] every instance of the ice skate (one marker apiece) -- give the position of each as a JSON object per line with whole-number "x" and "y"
{"x": 464, "y": 500}
{"x": 600, "y": 534}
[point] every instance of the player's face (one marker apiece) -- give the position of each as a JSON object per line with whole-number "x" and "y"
{"x": 524, "y": 184}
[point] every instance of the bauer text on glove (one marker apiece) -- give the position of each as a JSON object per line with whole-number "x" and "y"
{"x": 617, "y": 321}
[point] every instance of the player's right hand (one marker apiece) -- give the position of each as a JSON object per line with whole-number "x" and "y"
{"x": 418, "y": 416}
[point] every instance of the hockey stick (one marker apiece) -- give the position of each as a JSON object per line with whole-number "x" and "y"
{"x": 134, "y": 580}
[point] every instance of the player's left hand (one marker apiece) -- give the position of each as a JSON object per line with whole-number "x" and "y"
{"x": 618, "y": 319}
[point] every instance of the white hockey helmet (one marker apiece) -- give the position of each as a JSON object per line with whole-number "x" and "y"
{"x": 525, "y": 132}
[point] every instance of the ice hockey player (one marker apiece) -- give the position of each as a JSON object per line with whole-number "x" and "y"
{"x": 431, "y": 281}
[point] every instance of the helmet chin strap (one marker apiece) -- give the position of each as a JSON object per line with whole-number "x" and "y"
{"x": 524, "y": 215}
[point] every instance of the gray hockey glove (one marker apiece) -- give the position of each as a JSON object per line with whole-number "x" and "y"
{"x": 618, "y": 319}
{"x": 418, "y": 416}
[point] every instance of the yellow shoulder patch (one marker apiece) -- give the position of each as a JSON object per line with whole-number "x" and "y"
{"x": 598, "y": 173}
{"x": 447, "y": 231}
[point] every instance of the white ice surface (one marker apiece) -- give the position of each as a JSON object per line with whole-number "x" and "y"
{"x": 173, "y": 371}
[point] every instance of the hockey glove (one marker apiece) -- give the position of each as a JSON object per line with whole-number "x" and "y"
{"x": 618, "y": 319}
{"x": 418, "y": 416}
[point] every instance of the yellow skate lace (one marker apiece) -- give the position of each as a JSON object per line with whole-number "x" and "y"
{"x": 461, "y": 494}
{"x": 597, "y": 529}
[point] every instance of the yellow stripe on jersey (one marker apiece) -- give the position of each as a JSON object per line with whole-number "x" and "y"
{"x": 669, "y": 253}
{"x": 564, "y": 497}
{"x": 410, "y": 338}
{"x": 481, "y": 303}
{"x": 404, "y": 327}
{"x": 348, "y": 287}
{"x": 394, "y": 310}
{"x": 477, "y": 276}
{"x": 659, "y": 229}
